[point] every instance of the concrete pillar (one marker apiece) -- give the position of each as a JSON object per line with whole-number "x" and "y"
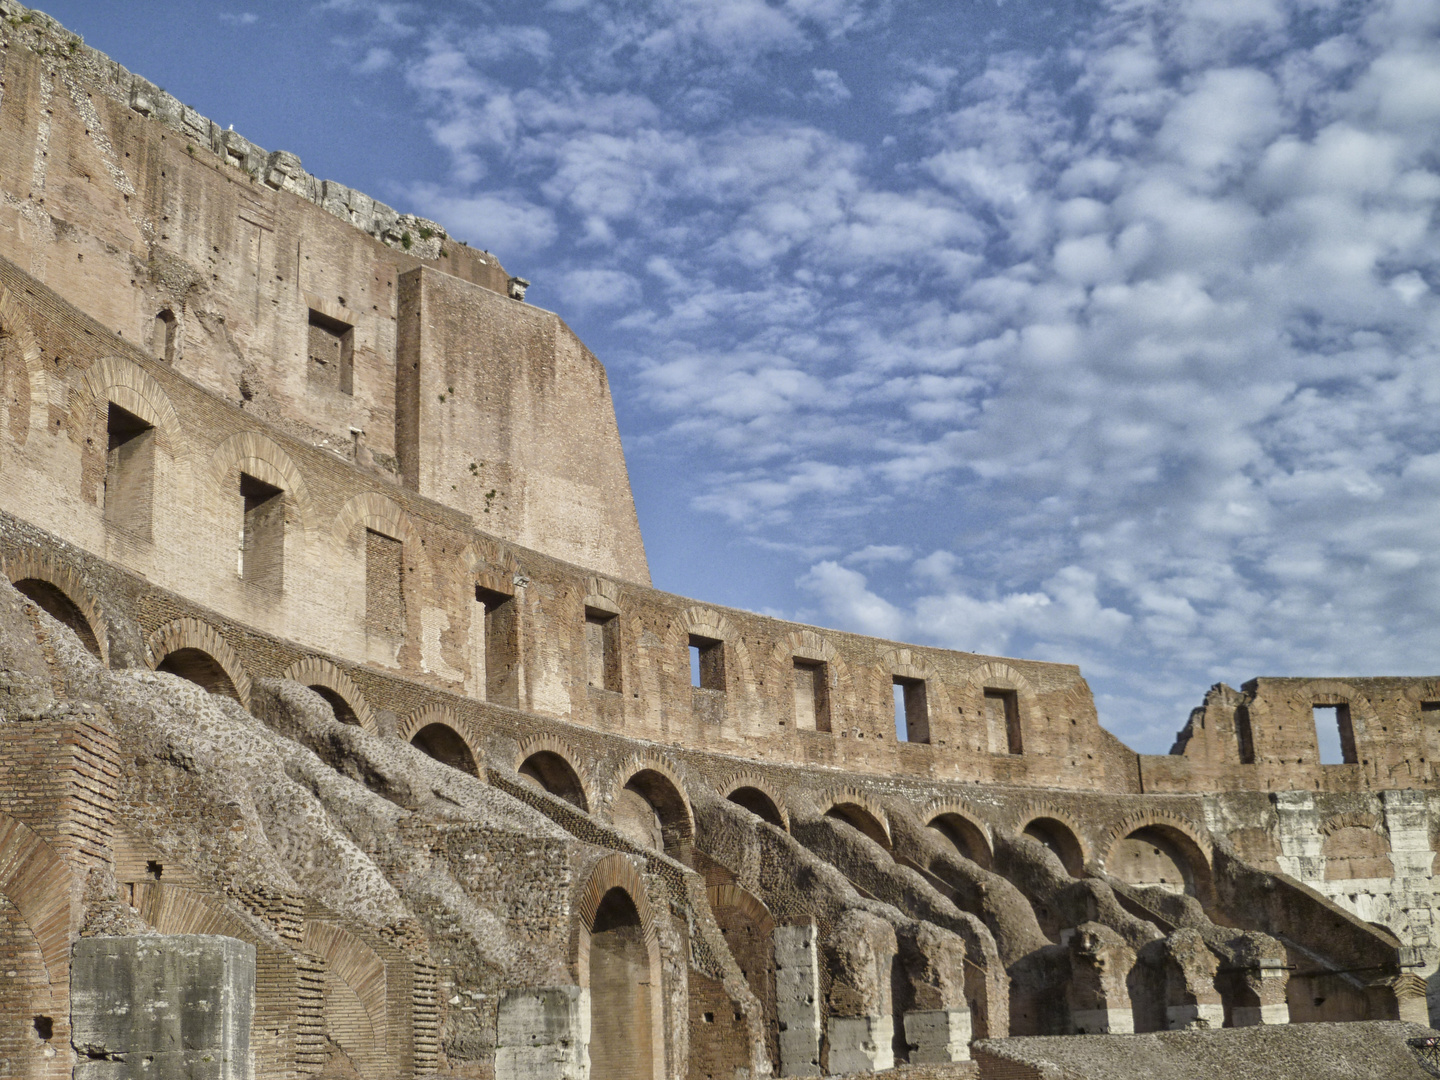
{"x": 1100, "y": 964}
{"x": 162, "y": 1007}
{"x": 938, "y": 1035}
{"x": 797, "y": 999}
{"x": 543, "y": 1033}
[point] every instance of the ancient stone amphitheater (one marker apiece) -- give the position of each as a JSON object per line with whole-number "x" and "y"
{"x": 342, "y": 733}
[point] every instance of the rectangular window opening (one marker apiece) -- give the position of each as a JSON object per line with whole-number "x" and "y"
{"x": 384, "y": 585}
{"x": 162, "y": 344}
{"x": 129, "y": 472}
{"x": 500, "y": 649}
{"x": 707, "y": 663}
{"x": 912, "y": 711}
{"x": 262, "y": 537}
{"x": 812, "y": 695}
{"x": 1002, "y": 716}
{"x": 1334, "y": 735}
{"x": 331, "y": 360}
{"x": 602, "y": 649}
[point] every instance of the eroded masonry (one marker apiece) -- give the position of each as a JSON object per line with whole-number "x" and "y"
{"x": 343, "y": 734}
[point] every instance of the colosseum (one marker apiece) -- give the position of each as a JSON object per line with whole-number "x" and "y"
{"x": 343, "y": 734}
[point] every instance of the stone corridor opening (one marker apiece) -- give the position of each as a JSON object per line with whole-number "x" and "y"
{"x": 622, "y": 982}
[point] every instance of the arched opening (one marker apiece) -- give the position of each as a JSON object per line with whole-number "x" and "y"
{"x": 856, "y": 815}
{"x": 621, "y": 984}
{"x": 749, "y": 931}
{"x": 1147, "y": 859}
{"x": 26, "y": 1015}
{"x": 759, "y": 804}
{"x": 199, "y": 667}
{"x": 1059, "y": 839}
{"x": 652, "y": 812}
{"x": 551, "y": 772}
{"x": 444, "y": 744}
{"x": 343, "y": 712}
{"x": 52, "y": 600}
{"x": 964, "y": 836}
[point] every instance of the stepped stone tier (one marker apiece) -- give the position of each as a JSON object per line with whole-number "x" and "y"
{"x": 341, "y": 726}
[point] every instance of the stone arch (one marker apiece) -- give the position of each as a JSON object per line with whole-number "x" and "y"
{"x": 1058, "y": 831}
{"x": 604, "y": 595}
{"x": 337, "y": 688}
{"x": 854, "y": 807}
{"x": 647, "y": 782}
{"x": 15, "y": 326}
{"x": 550, "y": 763}
{"x": 610, "y": 948}
{"x": 354, "y": 1009}
{"x": 491, "y": 565}
{"x": 37, "y": 566}
{"x": 196, "y": 651}
{"x": 997, "y": 675}
{"x": 128, "y": 385}
{"x": 957, "y": 822}
{"x": 261, "y": 457}
{"x": 36, "y": 881}
{"x": 375, "y": 511}
{"x": 751, "y": 792}
{"x": 1176, "y": 839}
{"x": 748, "y": 928}
{"x": 437, "y": 732}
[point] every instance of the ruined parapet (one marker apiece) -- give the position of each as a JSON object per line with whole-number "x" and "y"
{"x": 162, "y": 1007}
{"x": 860, "y": 1032}
{"x": 931, "y": 987}
{"x": 1100, "y": 964}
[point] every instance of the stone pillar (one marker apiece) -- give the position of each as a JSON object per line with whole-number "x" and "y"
{"x": 937, "y": 1018}
{"x": 1267, "y": 984}
{"x": 797, "y": 999}
{"x": 1191, "y": 1000}
{"x": 1100, "y": 964}
{"x": 162, "y": 1007}
{"x": 543, "y": 1033}
{"x": 1300, "y": 840}
{"x": 861, "y": 1031}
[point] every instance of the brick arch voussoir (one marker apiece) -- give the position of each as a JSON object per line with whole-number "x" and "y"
{"x": 42, "y": 567}
{"x": 747, "y": 903}
{"x": 375, "y": 511}
{"x": 313, "y": 671}
{"x": 37, "y": 882}
{"x": 647, "y": 762}
{"x": 357, "y": 965}
{"x": 739, "y": 780}
{"x": 437, "y": 714}
{"x": 617, "y": 871}
{"x": 1336, "y": 692}
{"x": 127, "y": 384}
{"x": 709, "y": 623}
{"x": 810, "y": 645}
{"x": 538, "y": 744}
{"x": 263, "y": 458}
{"x": 191, "y": 633}
{"x": 960, "y": 808}
{"x": 14, "y": 323}
{"x": 841, "y": 796}
{"x": 1004, "y": 677}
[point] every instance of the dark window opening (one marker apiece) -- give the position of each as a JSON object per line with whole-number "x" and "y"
{"x": 162, "y": 343}
{"x": 384, "y": 585}
{"x": 1335, "y": 735}
{"x": 262, "y": 539}
{"x": 331, "y": 362}
{"x": 500, "y": 650}
{"x": 1245, "y": 735}
{"x": 602, "y": 649}
{"x": 912, "y": 710}
{"x": 707, "y": 663}
{"x": 129, "y": 472}
{"x": 812, "y": 695}
{"x": 1002, "y": 715}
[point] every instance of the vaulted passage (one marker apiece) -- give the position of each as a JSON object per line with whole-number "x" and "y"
{"x": 444, "y": 744}
{"x": 60, "y": 608}
{"x": 200, "y": 668}
{"x": 621, "y": 984}
{"x": 548, "y": 770}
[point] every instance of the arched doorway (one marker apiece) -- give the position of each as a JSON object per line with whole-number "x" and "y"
{"x": 964, "y": 836}
{"x": 1058, "y": 837}
{"x": 650, "y": 810}
{"x": 759, "y": 804}
{"x": 551, "y": 772}
{"x": 199, "y": 667}
{"x": 622, "y": 985}
{"x": 51, "y": 599}
{"x": 862, "y": 819}
{"x": 444, "y": 744}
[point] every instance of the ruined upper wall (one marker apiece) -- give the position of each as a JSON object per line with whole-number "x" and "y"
{"x": 281, "y": 294}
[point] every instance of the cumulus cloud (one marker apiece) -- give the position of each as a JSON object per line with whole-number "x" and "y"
{"x": 1126, "y": 322}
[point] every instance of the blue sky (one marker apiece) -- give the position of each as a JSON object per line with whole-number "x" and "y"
{"x": 1094, "y": 332}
